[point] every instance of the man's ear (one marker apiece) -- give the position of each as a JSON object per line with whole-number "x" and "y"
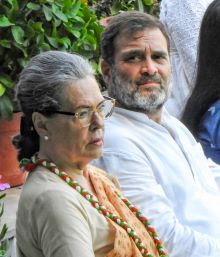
{"x": 106, "y": 72}
{"x": 40, "y": 123}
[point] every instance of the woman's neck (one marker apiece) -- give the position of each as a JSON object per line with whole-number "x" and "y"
{"x": 77, "y": 172}
{"x": 71, "y": 168}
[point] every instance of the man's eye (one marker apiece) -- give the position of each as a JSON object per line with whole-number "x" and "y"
{"x": 133, "y": 58}
{"x": 158, "y": 57}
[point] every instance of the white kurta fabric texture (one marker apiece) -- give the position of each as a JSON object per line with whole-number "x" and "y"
{"x": 162, "y": 169}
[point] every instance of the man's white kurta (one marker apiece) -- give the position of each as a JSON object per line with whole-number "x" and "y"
{"x": 162, "y": 169}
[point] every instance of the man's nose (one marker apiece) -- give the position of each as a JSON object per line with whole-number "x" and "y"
{"x": 149, "y": 66}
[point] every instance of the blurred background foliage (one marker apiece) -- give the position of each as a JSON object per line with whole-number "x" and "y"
{"x": 30, "y": 27}
{"x": 4, "y": 243}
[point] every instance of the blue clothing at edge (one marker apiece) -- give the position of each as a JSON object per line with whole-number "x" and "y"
{"x": 209, "y": 132}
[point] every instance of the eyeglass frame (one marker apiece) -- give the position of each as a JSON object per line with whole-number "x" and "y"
{"x": 76, "y": 114}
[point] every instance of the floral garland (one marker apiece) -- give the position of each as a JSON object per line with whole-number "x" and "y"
{"x": 30, "y": 165}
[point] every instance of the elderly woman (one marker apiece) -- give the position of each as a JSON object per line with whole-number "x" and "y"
{"x": 67, "y": 207}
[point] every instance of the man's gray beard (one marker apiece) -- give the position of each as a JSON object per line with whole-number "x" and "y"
{"x": 132, "y": 99}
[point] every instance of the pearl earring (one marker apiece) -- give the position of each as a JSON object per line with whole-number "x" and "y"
{"x": 46, "y": 138}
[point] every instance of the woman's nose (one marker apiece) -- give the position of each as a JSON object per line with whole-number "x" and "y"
{"x": 97, "y": 121}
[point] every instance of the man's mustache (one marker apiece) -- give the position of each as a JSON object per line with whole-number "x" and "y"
{"x": 145, "y": 78}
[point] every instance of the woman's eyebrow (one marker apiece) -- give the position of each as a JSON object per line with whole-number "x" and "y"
{"x": 88, "y": 106}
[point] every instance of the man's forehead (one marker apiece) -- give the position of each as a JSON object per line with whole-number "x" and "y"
{"x": 152, "y": 35}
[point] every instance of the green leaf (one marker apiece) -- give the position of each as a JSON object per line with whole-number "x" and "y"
{"x": 148, "y": 2}
{"x": 5, "y": 43}
{"x": 33, "y": 6}
{"x": 75, "y": 8}
{"x": 7, "y": 82}
{"x": 4, "y": 22}
{"x": 76, "y": 33}
{"x": 79, "y": 19}
{"x": 53, "y": 41}
{"x": 59, "y": 13}
{"x": 22, "y": 48}
{"x": 65, "y": 41}
{"x": 6, "y": 107}
{"x": 4, "y": 246}
{"x": 56, "y": 22}
{"x": 67, "y": 4}
{"x": 2, "y": 196}
{"x": 18, "y": 34}
{"x": 2, "y": 89}
{"x": 40, "y": 39}
{"x": 2, "y": 210}
{"x": 140, "y": 5}
{"x": 47, "y": 13}
{"x": 44, "y": 47}
{"x": 14, "y": 4}
{"x": 23, "y": 61}
{"x": 54, "y": 29}
{"x": 38, "y": 26}
{"x": 3, "y": 231}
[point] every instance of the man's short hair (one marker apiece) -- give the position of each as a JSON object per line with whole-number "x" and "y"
{"x": 127, "y": 23}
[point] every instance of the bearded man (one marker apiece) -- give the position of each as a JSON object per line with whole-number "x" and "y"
{"x": 160, "y": 165}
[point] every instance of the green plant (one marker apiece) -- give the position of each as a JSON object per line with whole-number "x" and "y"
{"x": 4, "y": 244}
{"x": 30, "y": 27}
{"x": 112, "y": 7}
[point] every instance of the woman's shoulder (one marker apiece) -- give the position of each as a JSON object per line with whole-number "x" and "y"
{"x": 41, "y": 185}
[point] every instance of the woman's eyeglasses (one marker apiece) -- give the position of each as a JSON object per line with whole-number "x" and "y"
{"x": 84, "y": 114}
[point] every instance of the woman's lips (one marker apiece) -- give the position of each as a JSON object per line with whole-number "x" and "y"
{"x": 97, "y": 142}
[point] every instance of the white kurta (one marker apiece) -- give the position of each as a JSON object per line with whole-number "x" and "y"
{"x": 182, "y": 19}
{"x": 162, "y": 169}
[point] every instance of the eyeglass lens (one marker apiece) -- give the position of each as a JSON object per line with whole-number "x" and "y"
{"x": 104, "y": 109}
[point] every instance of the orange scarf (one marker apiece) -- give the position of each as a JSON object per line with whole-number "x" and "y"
{"x": 105, "y": 186}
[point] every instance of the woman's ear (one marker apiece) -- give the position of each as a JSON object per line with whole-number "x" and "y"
{"x": 39, "y": 121}
{"x": 106, "y": 72}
